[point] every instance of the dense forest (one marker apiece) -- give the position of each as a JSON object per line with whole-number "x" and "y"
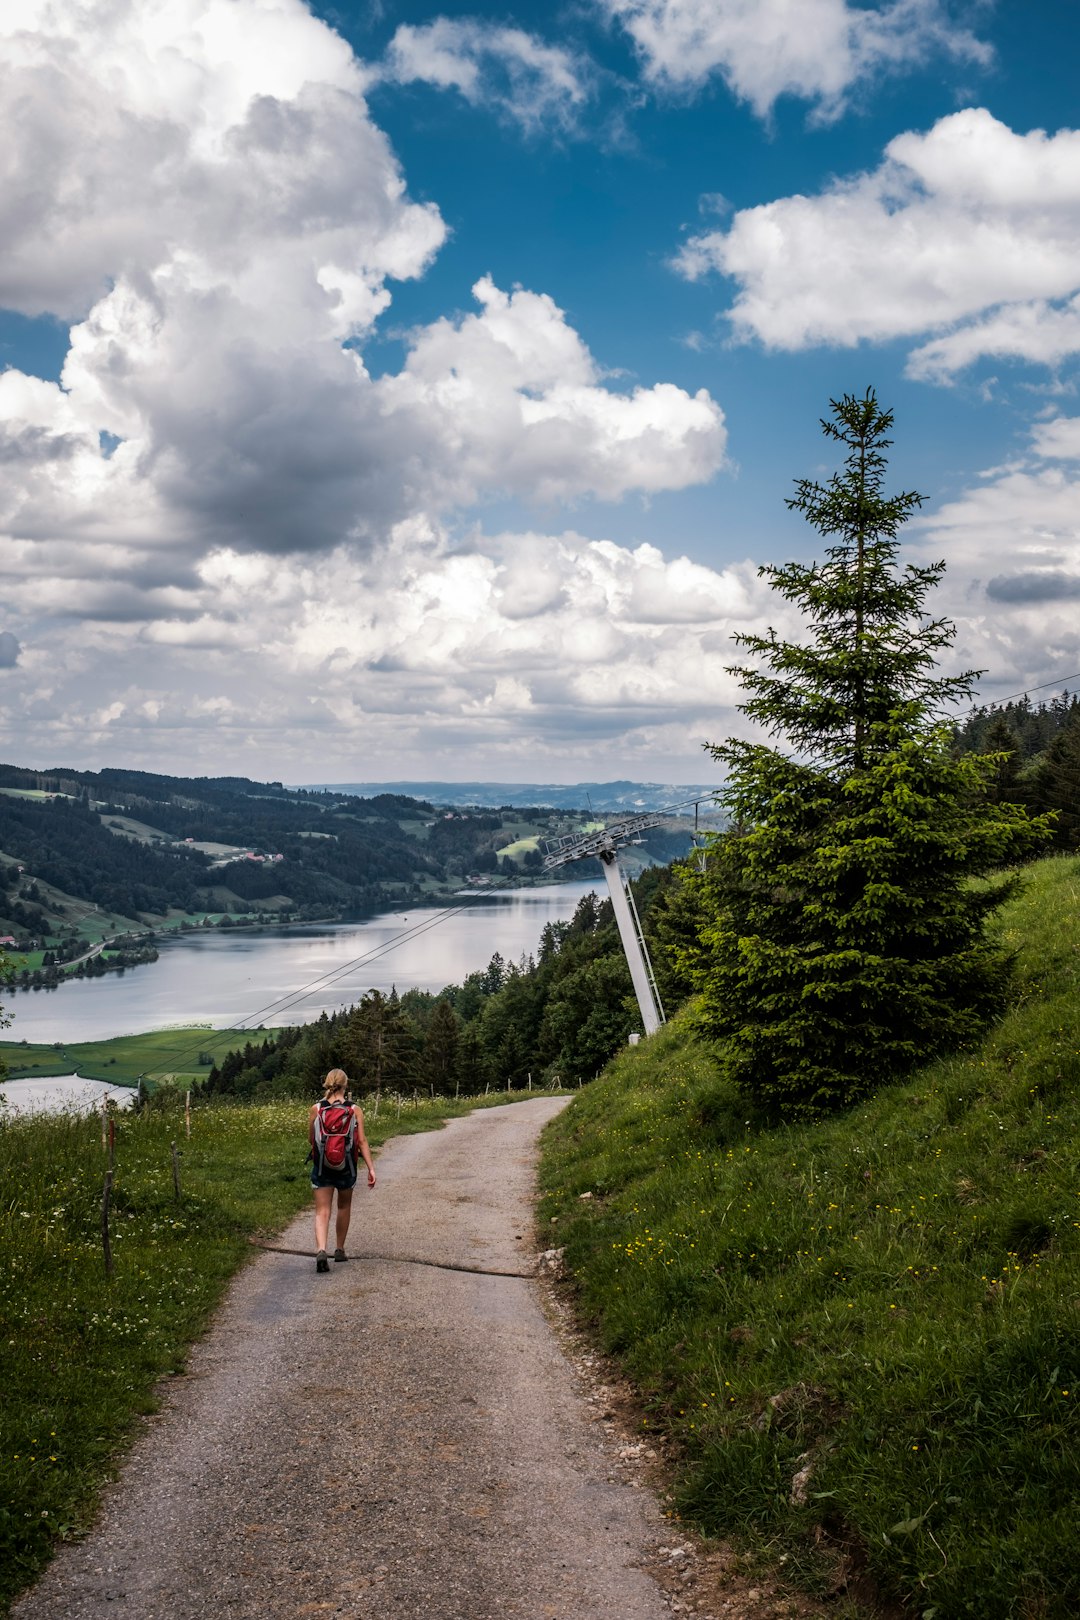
{"x": 62, "y": 842}
{"x": 1040, "y": 765}
{"x": 1027, "y": 728}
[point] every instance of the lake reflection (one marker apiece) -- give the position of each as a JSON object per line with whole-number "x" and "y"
{"x": 290, "y": 975}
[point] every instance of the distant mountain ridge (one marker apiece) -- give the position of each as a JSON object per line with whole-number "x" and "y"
{"x": 90, "y": 854}
{"x": 607, "y": 796}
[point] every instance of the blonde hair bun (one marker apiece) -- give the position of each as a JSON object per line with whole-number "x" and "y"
{"x": 336, "y": 1080}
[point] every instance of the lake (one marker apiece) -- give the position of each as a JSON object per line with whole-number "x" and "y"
{"x": 290, "y": 975}
{"x": 62, "y": 1092}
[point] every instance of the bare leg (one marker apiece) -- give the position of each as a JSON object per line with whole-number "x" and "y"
{"x": 344, "y": 1210}
{"x": 324, "y": 1197}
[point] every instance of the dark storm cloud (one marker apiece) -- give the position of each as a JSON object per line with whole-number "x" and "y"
{"x": 1034, "y": 585}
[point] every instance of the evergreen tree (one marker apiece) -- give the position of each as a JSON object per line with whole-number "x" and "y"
{"x": 588, "y": 1017}
{"x": 472, "y": 1072}
{"x": 379, "y": 1046}
{"x": 844, "y": 941}
{"x": 317, "y": 1055}
{"x": 673, "y": 927}
{"x": 511, "y": 1060}
{"x": 1057, "y": 784}
{"x": 1002, "y": 743}
{"x": 509, "y": 1025}
{"x": 440, "y": 1050}
{"x": 7, "y": 973}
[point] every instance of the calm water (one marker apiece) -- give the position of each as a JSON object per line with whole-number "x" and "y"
{"x": 61, "y": 1092}
{"x": 289, "y": 976}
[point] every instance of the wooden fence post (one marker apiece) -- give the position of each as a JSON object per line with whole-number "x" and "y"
{"x": 105, "y": 1244}
{"x": 112, "y": 1146}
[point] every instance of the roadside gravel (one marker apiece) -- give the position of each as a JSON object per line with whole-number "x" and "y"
{"x": 387, "y": 1441}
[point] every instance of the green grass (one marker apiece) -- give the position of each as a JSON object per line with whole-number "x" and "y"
{"x": 520, "y": 847}
{"x": 81, "y": 1356}
{"x": 141, "y": 831}
{"x": 123, "y": 1058}
{"x": 889, "y": 1297}
{"x": 94, "y": 926}
{"x": 412, "y": 829}
{"x": 173, "y": 919}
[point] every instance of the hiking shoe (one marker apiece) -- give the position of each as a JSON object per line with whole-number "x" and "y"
{"x": 321, "y": 1262}
{"x": 339, "y": 1254}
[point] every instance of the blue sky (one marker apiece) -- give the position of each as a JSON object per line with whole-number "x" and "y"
{"x": 400, "y": 390}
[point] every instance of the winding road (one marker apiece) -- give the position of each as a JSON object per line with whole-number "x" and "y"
{"x": 389, "y": 1441}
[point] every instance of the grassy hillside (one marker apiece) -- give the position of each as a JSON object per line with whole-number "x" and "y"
{"x": 86, "y": 855}
{"x": 182, "y": 1054}
{"x": 865, "y": 1333}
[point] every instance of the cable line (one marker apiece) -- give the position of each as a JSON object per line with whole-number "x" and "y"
{"x": 1042, "y": 687}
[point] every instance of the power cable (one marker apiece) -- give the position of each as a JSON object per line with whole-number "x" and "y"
{"x": 246, "y": 1024}
{"x": 1061, "y": 681}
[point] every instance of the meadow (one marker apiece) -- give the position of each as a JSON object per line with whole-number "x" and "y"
{"x": 83, "y": 1355}
{"x": 862, "y": 1334}
{"x": 120, "y": 1060}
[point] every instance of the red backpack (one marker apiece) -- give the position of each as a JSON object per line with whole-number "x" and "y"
{"x": 334, "y": 1143}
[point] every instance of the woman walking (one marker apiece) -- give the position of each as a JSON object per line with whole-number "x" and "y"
{"x": 336, "y": 1130}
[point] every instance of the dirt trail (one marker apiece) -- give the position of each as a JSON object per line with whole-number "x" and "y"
{"x": 387, "y": 1441}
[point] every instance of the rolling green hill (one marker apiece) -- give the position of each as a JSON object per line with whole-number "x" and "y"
{"x": 864, "y": 1332}
{"x": 87, "y": 856}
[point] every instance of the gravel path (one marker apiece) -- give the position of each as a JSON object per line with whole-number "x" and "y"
{"x": 388, "y": 1441}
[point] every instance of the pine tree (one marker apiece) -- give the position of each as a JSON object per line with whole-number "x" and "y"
{"x": 472, "y": 1072}
{"x": 1002, "y": 742}
{"x": 440, "y": 1050}
{"x": 511, "y": 1059}
{"x": 844, "y": 941}
{"x": 588, "y": 1017}
{"x": 380, "y": 1050}
{"x": 1057, "y": 784}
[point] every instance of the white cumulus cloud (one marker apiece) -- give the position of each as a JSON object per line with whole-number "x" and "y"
{"x": 222, "y": 534}
{"x": 818, "y": 50}
{"x": 1058, "y": 438}
{"x": 970, "y": 231}
{"x": 523, "y": 646}
{"x": 1012, "y": 543}
{"x": 518, "y": 402}
{"x": 536, "y": 85}
{"x": 225, "y": 264}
